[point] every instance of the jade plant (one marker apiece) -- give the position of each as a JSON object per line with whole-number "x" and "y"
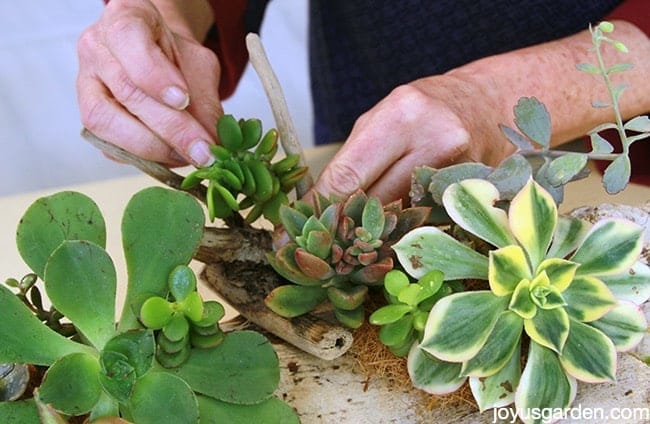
{"x": 243, "y": 175}
{"x": 337, "y": 250}
{"x": 567, "y": 291}
{"x": 102, "y": 369}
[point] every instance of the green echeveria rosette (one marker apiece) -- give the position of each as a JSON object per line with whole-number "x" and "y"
{"x": 243, "y": 176}
{"x": 573, "y": 289}
{"x": 337, "y": 250}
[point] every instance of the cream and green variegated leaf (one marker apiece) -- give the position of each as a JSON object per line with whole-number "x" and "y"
{"x": 431, "y": 374}
{"x": 429, "y": 248}
{"x": 498, "y": 349}
{"x": 532, "y": 216}
{"x": 588, "y": 355}
{"x": 470, "y": 203}
{"x": 632, "y": 285}
{"x": 498, "y": 389}
{"x": 588, "y": 299}
{"x": 610, "y": 248}
{"x": 460, "y": 324}
{"x": 543, "y": 384}
{"x": 569, "y": 233}
{"x": 507, "y": 267}
{"x": 560, "y": 272}
{"x": 625, "y": 325}
{"x": 520, "y": 301}
{"x": 549, "y": 328}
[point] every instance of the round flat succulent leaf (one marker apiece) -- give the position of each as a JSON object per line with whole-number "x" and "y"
{"x": 429, "y": 248}
{"x": 156, "y": 312}
{"x": 24, "y": 411}
{"x": 521, "y": 302}
{"x": 201, "y": 341}
{"x": 176, "y": 328}
{"x": 213, "y": 311}
{"x": 587, "y": 299}
{"x": 625, "y": 325}
{"x": 533, "y": 119}
{"x": 182, "y": 282}
{"x": 171, "y": 360}
{"x": 632, "y": 286}
{"x": 389, "y": 314}
{"x": 348, "y": 297}
{"x": 431, "y": 282}
{"x": 549, "y": 328}
{"x": 71, "y": 385}
{"x": 396, "y": 333}
{"x": 588, "y": 354}
{"x": 117, "y": 376}
{"x": 431, "y": 374}
{"x": 508, "y": 266}
{"x": 470, "y": 204}
{"x": 498, "y": 389}
{"x": 351, "y": 319}
{"x": 284, "y": 263}
{"x": 395, "y": 281}
{"x": 272, "y": 410}
{"x": 543, "y": 383}
{"x": 192, "y": 306}
{"x": 460, "y": 324}
{"x": 150, "y": 402}
{"x": 624, "y": 241}
{"x": 533, "y": 217}
{"x": 137, "y": 346}
{"x": 291, "y": 300}
{"x": 569, "y": 233}
{"x": 617, "y": 174}
{"x": 412, "y": 295}
{"x": 81, "y": 282}
{"x": 498, "y": 349}
{"x": 50, "y": 220}
{"x": 171, "y": 347}
{"x": 563, "y": 169}
{"x": 560, "y": 272}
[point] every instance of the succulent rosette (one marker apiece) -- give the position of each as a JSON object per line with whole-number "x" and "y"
{"x": 569, "y": 291}
{"x": 337, "y": 250}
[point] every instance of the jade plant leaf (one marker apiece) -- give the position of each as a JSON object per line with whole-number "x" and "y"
{"x": 270, "y": 411}
{"x": 428, "y": 248}
{"x": 431, "y": 374}
{"x": 460, "y": 324}
{"x": 161, "y": 229}
{"x": 470, "y": 203}
{"x": 245, "y": 366}
{"x": 498, "y": 389}
{"x": 20, "y": 412}
{"x": 182, "y": 282}
{"x": 589, "y": 355}
{"x": 397, "y": 332}
{"x": 543, "y": 383}
{"x": 625, "y": 325}
{"x": 50, "y": 220}
{"x": 33, "y": 343}
{"x": 71, "y": 384}
{"x": 160, "y": 397}
{"x": 80, "y": 281}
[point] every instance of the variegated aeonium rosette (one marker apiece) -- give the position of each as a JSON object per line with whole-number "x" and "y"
{"x": 574, "y": 289}
{"x": 337, "y": 249}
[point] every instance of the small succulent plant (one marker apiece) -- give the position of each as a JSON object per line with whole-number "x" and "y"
{"x": 402, "y": 321}
{"x": 567, "y": 290}
{"x": 337, "y": 250}
{"x": 243, "y": 167}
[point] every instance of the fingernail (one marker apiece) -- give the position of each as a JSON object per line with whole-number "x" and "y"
{"x": 175, "y": 97}
{"x": 200, "y": 153}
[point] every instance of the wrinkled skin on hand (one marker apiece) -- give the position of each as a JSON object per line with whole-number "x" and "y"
{"x": 146, "y": 87}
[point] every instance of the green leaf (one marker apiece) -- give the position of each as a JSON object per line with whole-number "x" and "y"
{"x": 499, "y": 348}
{"x": 351, "y": 319}
{"x": 50, "y": 220}
{"x": 245, "y": 366}
{"x": 176, "y": 328}
{"x": 617, "y": 174}
{"x": 623, "y": 240}
{"x": 284, "y": 263}
{"x": 533, "y": 216}
{"x": 389, "y": 314}
{"x": 161, "y": 229}
{"x": 160, "y": 397}
{"x": 589, "y": 68}
{"x": 428, "y": 248}
{"x": 543, "y": 384}
{"x": 270, "y": 411}
{"x": 599, "y": 144}
{"x": 517, "y": 139}
{"x": 19, "y": 412}
{"x": 32, "y": 342}
{"x": 562, "y": 170}
{"x": 449, "y": 175}
{"x": 291, "y": 301}
{"x": 395, "y": 281}
{"x": 460, "y": 324}
{"x": 117, "y": 376}
{"x": 588, "y": 299}
{"x": 532, "y": 119}
{"x": 569, "y": 234}
{"x": 560, "y": 272}
{"x": 633, "y": 285}
{"x": 156, "y": 312}
{"x": 469, "y": 203}
{"x": 182, "y": 282}
{"x": 292, "y": 220}
{"x": 625, "y": 325}
{"x": 398, "y": 332}
{"x": 549, "y": 328}
{"x": 510, "y": 176}
{"x": 431, "y": 282}
{"x": 589, "y": 355}
{"x": 508, "y": 266}
{"x": 80, "y": 281}
{"x": 347, "y": 297}
{"x": 521, "y": 302}
{"x": 638, "y": 124}
{"x": 71, "y": 384}
{"x": 498, "y": 389}
{"x": 138, "y": 348}
{"x": 431, "y": 374}
{"x": 373, "y": 218}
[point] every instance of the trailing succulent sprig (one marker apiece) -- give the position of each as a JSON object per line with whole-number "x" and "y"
{"x": 402, "y": 321}
{"x": 337, "y": 250}
{"x": 570, "y": 290}
{"x": 243, "y": 167}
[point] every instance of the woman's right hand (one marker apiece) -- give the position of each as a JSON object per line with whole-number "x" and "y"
{"x": 146, "y": 87}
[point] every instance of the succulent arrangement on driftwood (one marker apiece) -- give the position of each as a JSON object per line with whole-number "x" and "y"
{"x": 479, "y": 275}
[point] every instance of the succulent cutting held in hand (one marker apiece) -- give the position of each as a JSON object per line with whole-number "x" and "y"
{"x": 243, "y": 167}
